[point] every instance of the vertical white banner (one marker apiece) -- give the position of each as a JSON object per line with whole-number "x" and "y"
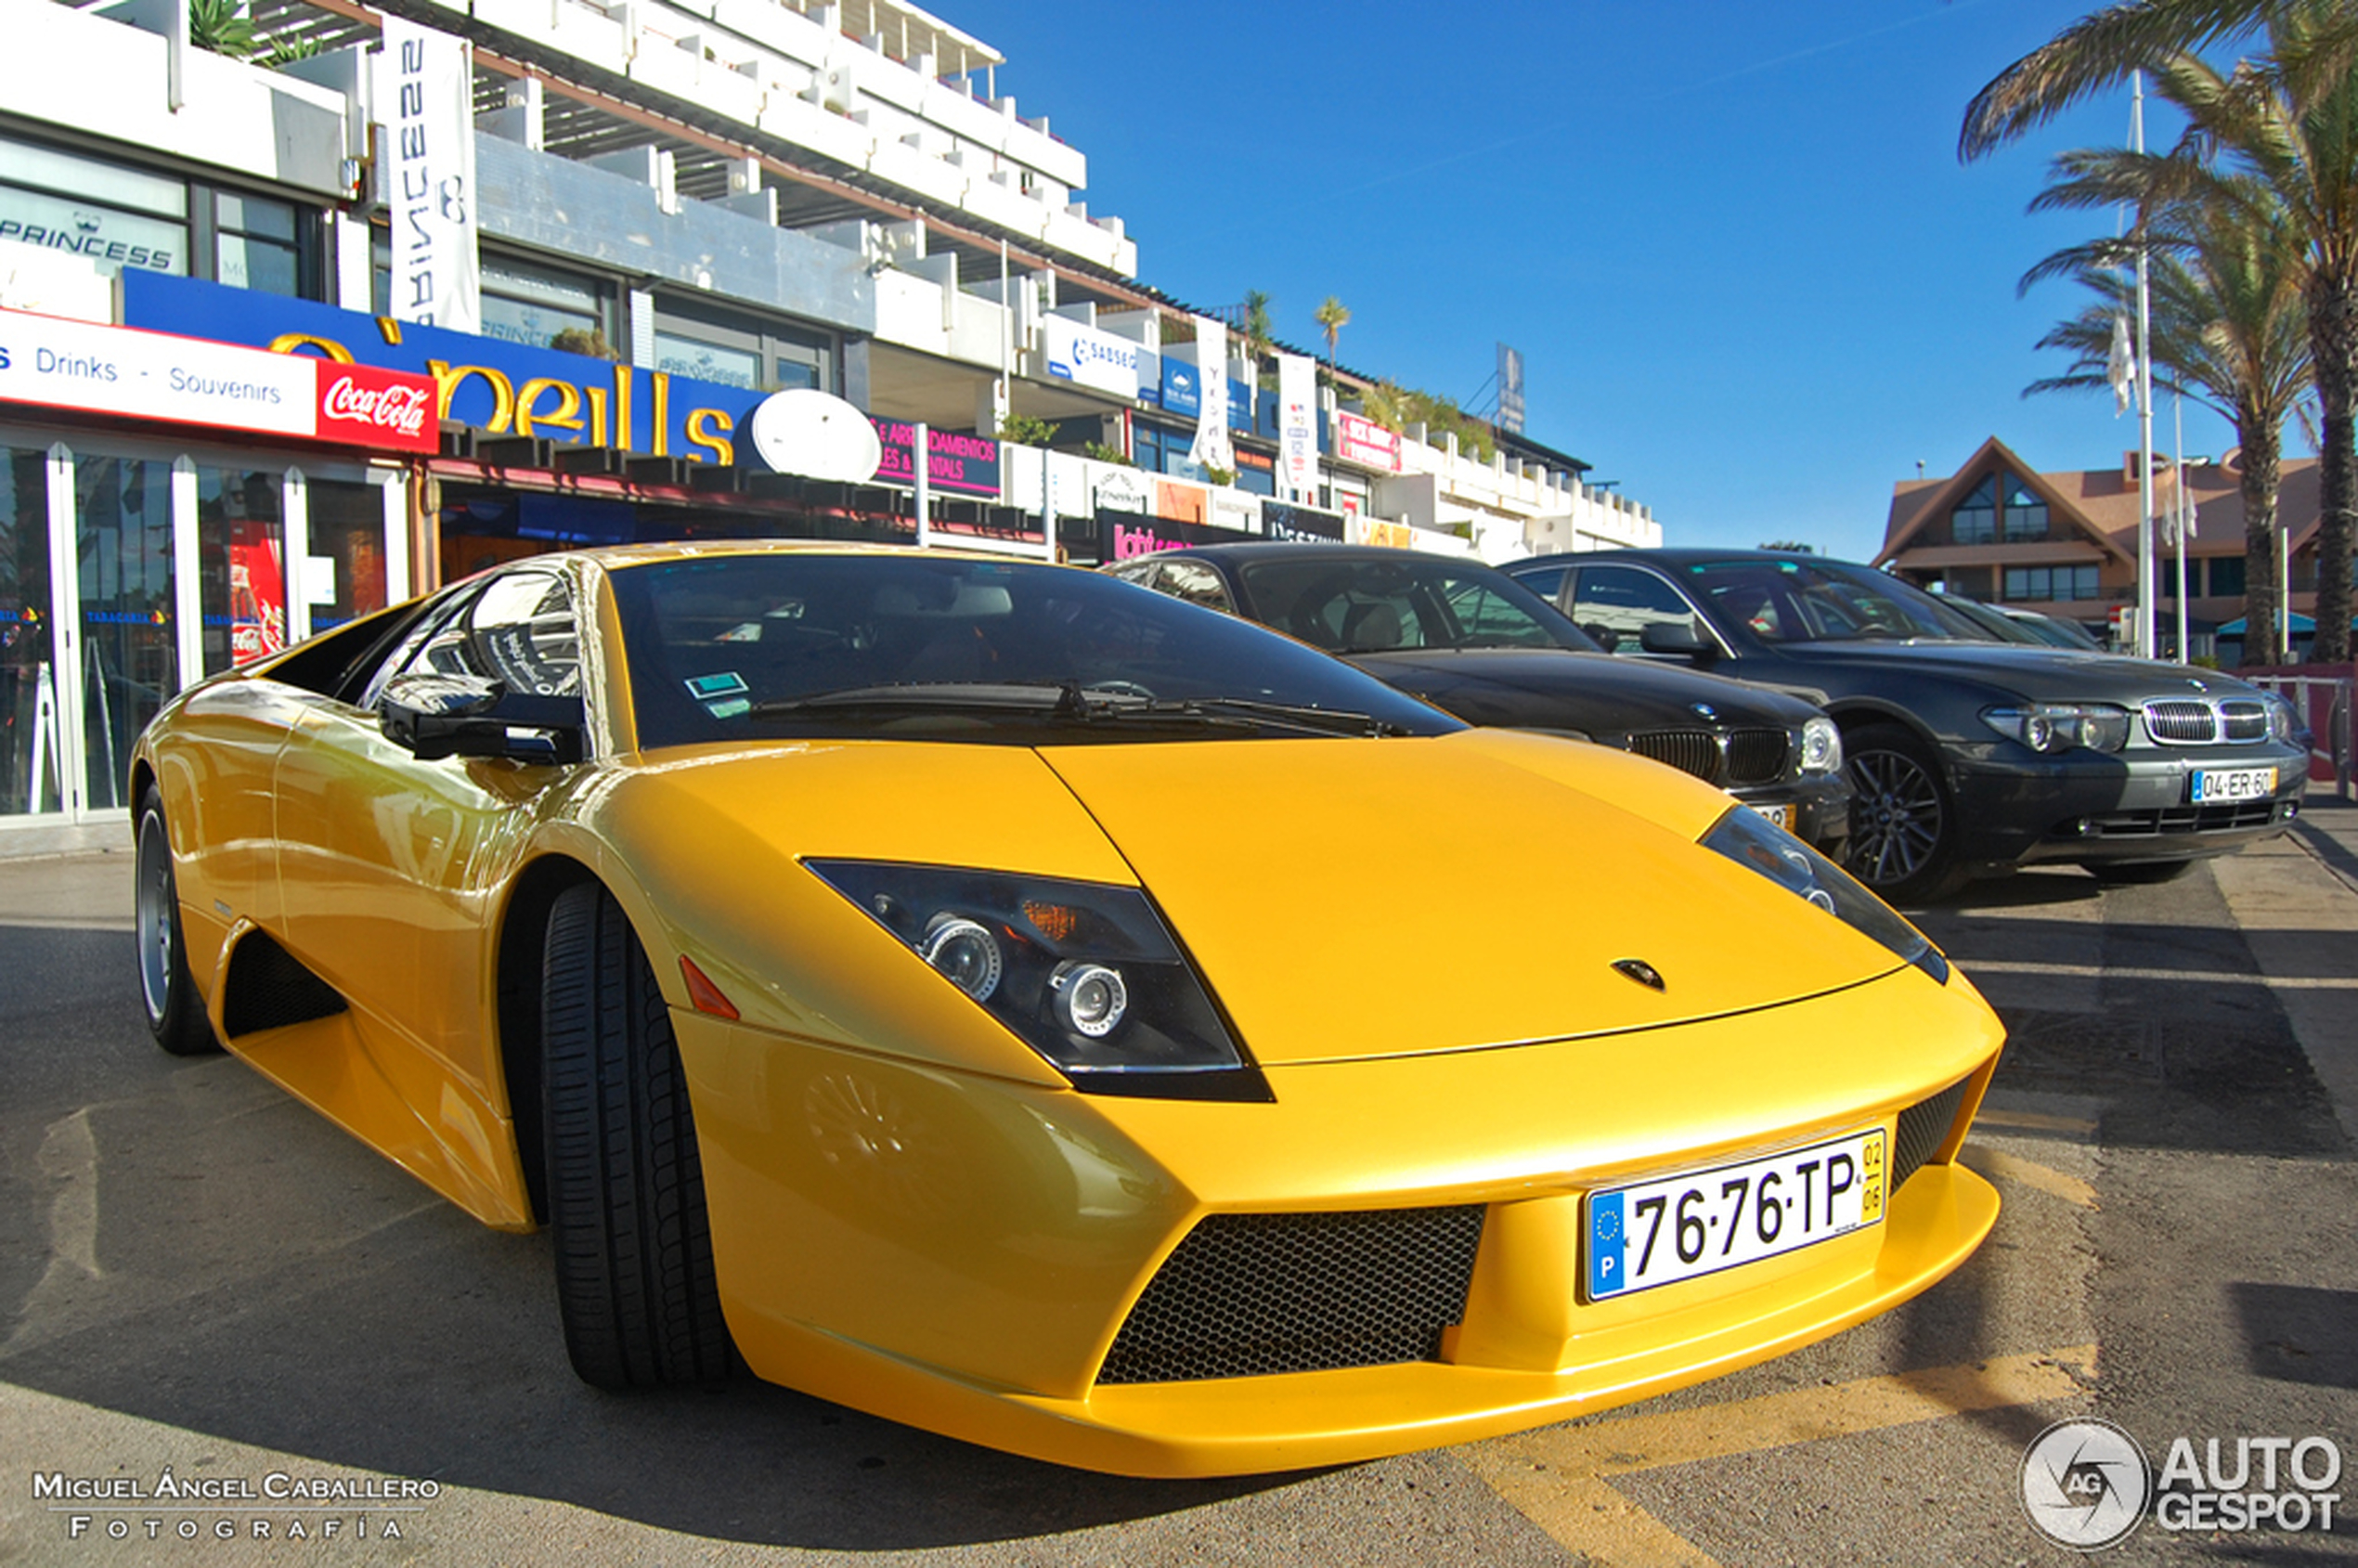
{"x": 1211, "y": 449}
{"x": 1298, "y": 426}
{"x": 425, "y": 88}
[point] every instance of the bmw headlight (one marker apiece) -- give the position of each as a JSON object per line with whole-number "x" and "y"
{"x": 2283, "y": 720}
{"x": 1752, "y": 840}
{"x": 1084, "y": 973}
{"x": 2051, "y": 727}
{"x": 1820, "y": 747}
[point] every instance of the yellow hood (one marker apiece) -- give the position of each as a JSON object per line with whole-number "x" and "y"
{"x": 1308, "y": 881}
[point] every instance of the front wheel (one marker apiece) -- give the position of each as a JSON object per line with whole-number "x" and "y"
{"x": 1903, "y": 824}
{"x": 626, "y": 1184}
{"x": 175, "y": 1013}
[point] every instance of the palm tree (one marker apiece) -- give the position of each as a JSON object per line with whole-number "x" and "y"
{"x": 1332, "y": 318}
{"x": 2229, "y": 327}
{"x": 2291, "y": 119}
{"x": 1257, "y": 323}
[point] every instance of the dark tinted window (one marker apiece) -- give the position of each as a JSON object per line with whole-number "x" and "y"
{"x": 1362, "y": 604}
{"x": 1778, "y": 601}
{"x": 711, "y": 641}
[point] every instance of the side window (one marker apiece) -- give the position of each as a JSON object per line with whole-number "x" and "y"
{"x": 1196, "y": 583}
{"x": 1622, "y": 601}
{"x": 1545, "y": 581}
{"x": 519, "y": 630}
{"x": 1486, "y": 618}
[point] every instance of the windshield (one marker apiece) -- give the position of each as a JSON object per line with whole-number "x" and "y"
{"x": 1785, "y": 602}
{"x": 940, "y": 647}
{"x": 1349, "y": 606}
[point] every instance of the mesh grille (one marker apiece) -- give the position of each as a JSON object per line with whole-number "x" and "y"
{"x": 1757, "y": 756}
{"x": 269, "y": 990}
{"x": 2180, "y": 723}
{"x": 1245, "y": 1295}
{"x": 1923, "y": 1127}
{"x": 1689, "y": 751}
{"x": 2245, "y": 721}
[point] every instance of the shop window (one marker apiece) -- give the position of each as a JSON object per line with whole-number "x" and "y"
{"x": 258, "y": 244}
{"x": 115, "y": 217}
{"x": 29, "y": 772}
{"x": 2226, "y": 577}
{"x": 348, "y": 528}
{"x": 241, "y": 575}
{"x": 758, "y": 355}
{"x": 1976, "y": 519}
{"x": 528, "y": 303}
{"x": 129, "y": 664}
{"x": 2025, "y": 514}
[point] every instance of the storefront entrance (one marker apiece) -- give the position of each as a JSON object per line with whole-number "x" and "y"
{"x": 129, "y": 568}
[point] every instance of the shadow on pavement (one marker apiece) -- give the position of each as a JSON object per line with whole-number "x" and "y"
{"x": 2298, "y": 1334}
{"x": 263, "y": 1278}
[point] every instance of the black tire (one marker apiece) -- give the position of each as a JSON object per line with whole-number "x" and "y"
{"x": 175, "y": 1013}
{"x": 1903, "y": 820}
{"x": 626, "y": 1182}
{"x": 2128, "y": 874}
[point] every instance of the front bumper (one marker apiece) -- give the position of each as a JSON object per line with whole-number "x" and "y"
{"x": 2089, "y": 809}
{"x": 961, "y": 1253}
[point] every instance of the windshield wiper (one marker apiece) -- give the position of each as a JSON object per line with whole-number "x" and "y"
{"x": 1315, "y": 720}
{"x": 939, "y": 696}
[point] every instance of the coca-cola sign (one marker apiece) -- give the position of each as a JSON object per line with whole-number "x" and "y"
{"x": 368, "y": 407}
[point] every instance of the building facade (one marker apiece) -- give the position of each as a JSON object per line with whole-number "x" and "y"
{"x": 605, "y": 239}
{"x": 2065, "y": 544}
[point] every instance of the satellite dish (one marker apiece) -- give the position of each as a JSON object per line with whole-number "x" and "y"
{"x": 816, "y": 435}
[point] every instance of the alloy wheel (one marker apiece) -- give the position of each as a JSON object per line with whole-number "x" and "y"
{"x": 1895, "y": 817}
{"x": 154, "y": 917}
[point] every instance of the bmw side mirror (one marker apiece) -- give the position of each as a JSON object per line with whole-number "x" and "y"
{"x": 433, "y": 717}
{"x": 1678, "y": 638}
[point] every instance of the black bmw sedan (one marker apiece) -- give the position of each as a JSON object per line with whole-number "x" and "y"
{"x": 1467, "y": 639}
{"x": 1968, "y": 753}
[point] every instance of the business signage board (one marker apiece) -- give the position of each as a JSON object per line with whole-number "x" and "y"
{"x": 1090, "y": 358}
{"x": 1282, "y": 520}
{"x": 499, "y": 388}
{"x": 63, "y": 364}
{"x": 425, "y": 92}
{"x": 963, "y": 465}
{"x": 1123, "y": 536}
{"x": 1298, "y": 426}
{"x": 1364, "y": 442}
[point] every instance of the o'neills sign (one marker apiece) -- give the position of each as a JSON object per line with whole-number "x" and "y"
{"x": 61, "y": 364}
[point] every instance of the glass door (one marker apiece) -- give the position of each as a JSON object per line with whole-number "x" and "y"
{"x": 130, "y": 662}
{"x": 32, "y": 769}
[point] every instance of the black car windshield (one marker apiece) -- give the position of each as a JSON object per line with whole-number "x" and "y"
{"x": 1784, "y": 601}
{"x": 1360, "y": 606}
{"x": 940, "y": 647}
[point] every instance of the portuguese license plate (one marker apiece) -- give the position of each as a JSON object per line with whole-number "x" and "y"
{"x": 1780, "y": 815}
{"x": 1680, "y": 1227}
{"x": 2232, "y": 784}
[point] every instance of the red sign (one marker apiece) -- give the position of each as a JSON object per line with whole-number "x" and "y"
{"x": 367, "y": 407}
{"x": 1366, "y": 442}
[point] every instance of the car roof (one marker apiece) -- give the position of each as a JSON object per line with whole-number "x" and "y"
{"x": 1675, "y": 556}
{"x": 1263, "y": 550}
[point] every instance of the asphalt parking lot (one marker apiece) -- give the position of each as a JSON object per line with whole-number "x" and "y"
{"x": 199, "y": 1278}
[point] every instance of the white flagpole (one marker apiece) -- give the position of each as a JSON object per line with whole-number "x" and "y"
{"x": 2145, "y": 644}
{"x": 2181, "y": 508}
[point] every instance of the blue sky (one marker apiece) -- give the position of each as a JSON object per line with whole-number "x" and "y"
{"x": 1750, "y": 280}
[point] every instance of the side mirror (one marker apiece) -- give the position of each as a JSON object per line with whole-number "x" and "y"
{"x": 1678, "y": 637}
{"x": 1606, "y": 638}
{"x": 433, "y": 717}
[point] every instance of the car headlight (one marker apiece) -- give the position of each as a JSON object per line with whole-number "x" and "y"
{"x": 2283, "y": 719}
{"x": 1820, "y": 747}
{"x": 1752, "y": 840}
{"x": 2051, "y": 727}
{"x": 1084, "y": 973}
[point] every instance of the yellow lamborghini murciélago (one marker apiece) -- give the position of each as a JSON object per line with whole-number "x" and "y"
{"x": 1014, "y": 1002}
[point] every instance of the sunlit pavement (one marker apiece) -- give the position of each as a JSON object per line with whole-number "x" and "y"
{"x": 200, "y": 1277}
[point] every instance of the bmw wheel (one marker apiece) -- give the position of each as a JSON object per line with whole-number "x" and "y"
{"x": 1903, "y": 831}
{"x": 175, "y": 1013}
{"x": 626, "y": 1184}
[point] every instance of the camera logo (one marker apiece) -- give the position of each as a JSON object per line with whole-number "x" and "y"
{"x": 2085, "y": 1484}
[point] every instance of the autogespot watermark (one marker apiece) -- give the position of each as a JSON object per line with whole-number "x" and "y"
{"x": 277, "y": 1506}
{"x": 2087, "y": 1484}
